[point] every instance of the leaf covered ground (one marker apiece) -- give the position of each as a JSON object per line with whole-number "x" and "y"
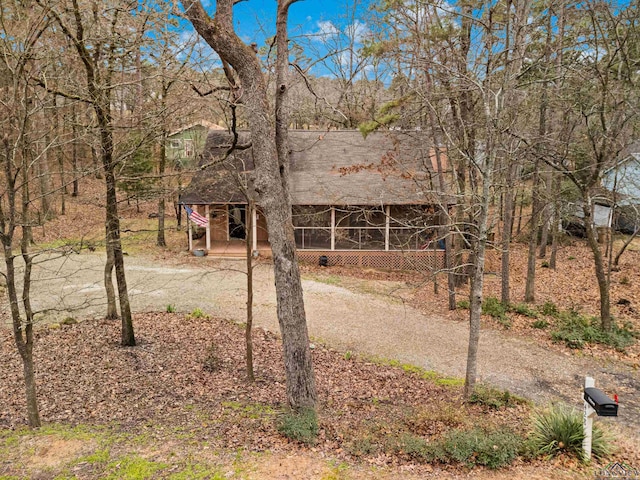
{"x": 179, "y": 401}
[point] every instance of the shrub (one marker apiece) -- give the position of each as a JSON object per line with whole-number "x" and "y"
{"x": 493, "y": 449}
{"x": 412, "y": 445}
{"x": 301, "y": 426}
{"x": 559, "y": 430}
{"x": 540, "y": 324}
{"x": 463, "y": 304}
{"x": 576, "y": 330}
{"x": 492, "y": 306}
{"x": 494, "y": 398}
{"x": 366, "y": 445}
{"x": 524, "y": 309}
{"x": 549, "y": 309}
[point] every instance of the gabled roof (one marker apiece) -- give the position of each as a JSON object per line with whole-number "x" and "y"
{"x": 330, "y": 168}
{"x": 201, "y": 123}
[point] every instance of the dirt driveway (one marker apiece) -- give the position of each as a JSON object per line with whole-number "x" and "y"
{"x": 368, "y": 323}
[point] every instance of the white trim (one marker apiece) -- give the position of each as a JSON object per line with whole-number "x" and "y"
{"x": 333, "y": 228}
{"x": 206, "y": 212}
{"x": 254, "y": 228}
{"x": 387, "y": 227}
{"x": 227, "y": 222}
{"x": 189, "y": 232}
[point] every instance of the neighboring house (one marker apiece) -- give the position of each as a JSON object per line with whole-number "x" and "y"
{"x": 186, "y": 144}
{"x": 371, "y": 202}
{"x": 622, "y": 181}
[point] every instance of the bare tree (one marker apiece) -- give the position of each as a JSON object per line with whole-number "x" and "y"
{"x": 19, "y": 153}
{"x": 270, "y": 184}
{"x": 97, "y": 38}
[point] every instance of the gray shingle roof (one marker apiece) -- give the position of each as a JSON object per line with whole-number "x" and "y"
{"x": 330, "y": 168}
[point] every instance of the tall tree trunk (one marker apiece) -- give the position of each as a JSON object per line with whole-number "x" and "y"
{"x": 507, "y": 227}
{"x": 45, "y": 181}
{"x": 162, "y": 162}
{"x": 249, "y": 327}
{"x": 601, "y": 275}
{"x": 22, "y": 328}
{"x": 23, "y": 337}
{"x": 477, "y": 283}
{"x": 270, "y": 185}
{"x": 59, "y": 156}
{"x": 74, "y": 151}
{"x": 112, "y": 310}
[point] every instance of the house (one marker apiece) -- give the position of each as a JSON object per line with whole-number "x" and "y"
{"x": 184, "y": 145}
{"x": 372, "y": 202}
{"x": 622, "y": 181}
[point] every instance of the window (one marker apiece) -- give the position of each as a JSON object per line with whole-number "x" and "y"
{"x": 176, "y": 143}
{"x": 312, "y": 224}
{"x": 188, "y": 148}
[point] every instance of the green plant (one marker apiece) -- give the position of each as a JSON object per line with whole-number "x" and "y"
{"x": 624, "y": 280}
{"x": 463, "y": 304}
{"x": 493, "y": 307}
{"x": 494, "y": 398}
{"x": 68, "y": 321}
{"x": 133, "y": 468}
{"x": 171, "y": 309}
{"x": 301, "y": 426}
{"x": 411, "y": 445}
{"x": 365, "y": 445}
{"x": 540, "y": 324}
{"x": 197, "y": 471}
{"x": 544, "y": 264}
{"x": 524, "y": 309}
{"x": 348, "y": 355}
{"x": 198, "y": 313}
{"x": 493, "y": 449}
{"x": 571, "y": 257}
{"x": 559, "y": 430}
{"x": 576, "y": 330}
{"x": 549, "y": 309}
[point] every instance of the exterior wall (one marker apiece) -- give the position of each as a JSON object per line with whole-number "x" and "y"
{"x": 177, "y": 145}
{"x": 625, "y": 178}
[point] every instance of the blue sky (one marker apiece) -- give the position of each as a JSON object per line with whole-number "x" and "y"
{"x": 313, "y": 23}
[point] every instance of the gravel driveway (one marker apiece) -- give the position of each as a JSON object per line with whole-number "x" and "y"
{"x": 367, "y": 323}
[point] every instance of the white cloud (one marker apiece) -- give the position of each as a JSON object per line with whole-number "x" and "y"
{"x": 357, "y": 30}
{"x": 327, "y": 29}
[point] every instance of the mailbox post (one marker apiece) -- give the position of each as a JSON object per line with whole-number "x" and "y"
{"x": 596, "y": 402}
{"x": 587, "y": 421}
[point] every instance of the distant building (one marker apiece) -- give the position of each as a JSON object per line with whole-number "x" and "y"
{"x": 185, "y": 145}
{"x": 622, "y": 182}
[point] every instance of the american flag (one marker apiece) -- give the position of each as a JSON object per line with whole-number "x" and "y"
{"x": 195, "y": 217}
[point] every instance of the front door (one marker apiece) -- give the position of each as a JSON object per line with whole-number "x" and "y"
{"x": 237, "y": 221}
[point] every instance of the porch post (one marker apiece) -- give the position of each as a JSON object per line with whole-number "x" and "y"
{"x": 189, "y": 233}
{"x": 333, "y": 228}
{"x": 228, "y": 237}
{"x": 206, "y": 213}
{"x": 254, "y": 227}
{"x": 387, "y": 222}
